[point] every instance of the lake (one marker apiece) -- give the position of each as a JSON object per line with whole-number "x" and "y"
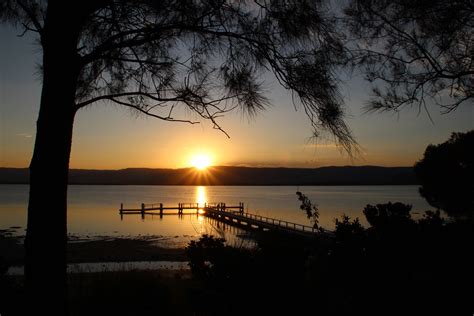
{"x": 93, "y": 210}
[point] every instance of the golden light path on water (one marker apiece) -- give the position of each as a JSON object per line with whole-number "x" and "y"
{"x": 209, "y": 227}
{"x": 201, "y": 196}
{"x": 201, "y": 199}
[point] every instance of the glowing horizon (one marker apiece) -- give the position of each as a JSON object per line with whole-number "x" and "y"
{"x": 108, "y": 138}
{"x": 201, "y": 161}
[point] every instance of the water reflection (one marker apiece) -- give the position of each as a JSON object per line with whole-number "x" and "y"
{"x": 93, "y": 210}
{"x": 201, "y": 197}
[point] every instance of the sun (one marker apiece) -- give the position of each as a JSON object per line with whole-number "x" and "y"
{"x": 201, "y": 161}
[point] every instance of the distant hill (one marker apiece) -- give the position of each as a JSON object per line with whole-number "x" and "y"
{"x": 348, "y": 175}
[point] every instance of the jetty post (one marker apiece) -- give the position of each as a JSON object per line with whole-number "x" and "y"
{"x": 227, "y": 215}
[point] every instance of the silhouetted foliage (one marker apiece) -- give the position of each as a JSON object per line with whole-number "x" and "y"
{"x": 312, "y": 211}
{"x": 350, "y": 246}
{"x": 432, "y": 220}
{"x": 162, "y": 59}
{"x": 415, "y": 50}
{"x": 210, "y": 258}
{"x": 405, "y": 264}
{"x": 4, "y": 266}
{"x": 204, "y": 254}
{"x": 398, "y": 261}
{"x": 347, "y": 230}
{"x": 264, "y": 273}
{"x": 385, "y": 216}
{"x": 206, "y": 56}
{"x": 446, "y": 173}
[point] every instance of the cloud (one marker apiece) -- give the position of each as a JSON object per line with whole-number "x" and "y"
{"x": 328, "y": 145}
{"x": 25, "y": 135}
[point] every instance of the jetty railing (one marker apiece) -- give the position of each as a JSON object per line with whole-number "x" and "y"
{"x": 149, "y": 208}
{"x": 281, "y": 223}
{"x": 222, "y": 211}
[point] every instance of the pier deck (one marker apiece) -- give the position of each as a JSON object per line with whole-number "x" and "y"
{"x": 230, "y": 214}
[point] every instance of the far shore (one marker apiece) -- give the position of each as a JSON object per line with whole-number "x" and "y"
{"x": 232, "y": 176}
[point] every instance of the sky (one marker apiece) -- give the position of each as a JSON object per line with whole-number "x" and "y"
{"x": 110, "y": 137}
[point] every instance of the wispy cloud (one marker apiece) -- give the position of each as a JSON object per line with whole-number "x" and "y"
{"x": 25, "y": 135}
{"x": 315, "y": 145}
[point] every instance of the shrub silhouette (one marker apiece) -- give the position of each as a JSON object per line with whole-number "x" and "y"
{"x": 388, "y": 216}
{"x": 210, "y": 258}
{"x": 350, "y": 234}
{"x": 446, "y": 172}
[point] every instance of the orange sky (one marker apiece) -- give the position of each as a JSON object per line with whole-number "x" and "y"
{"x": 109, "y": 137}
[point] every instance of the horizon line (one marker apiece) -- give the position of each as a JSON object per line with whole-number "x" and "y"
{"x": 228, "y": 166}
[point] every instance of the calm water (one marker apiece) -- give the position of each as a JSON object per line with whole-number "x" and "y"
{"x": 93, "y": 210}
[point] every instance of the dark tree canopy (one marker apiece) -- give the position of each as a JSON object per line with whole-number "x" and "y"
{"x": 158, "y": 57}
{"x": 169, "y": 59}
{"x": 415, "y": 51}
{"x": 388, "y": 216}
{"x": 446, "y": 173}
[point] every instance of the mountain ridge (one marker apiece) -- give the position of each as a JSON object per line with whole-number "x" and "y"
{"x": 231, "y": 175}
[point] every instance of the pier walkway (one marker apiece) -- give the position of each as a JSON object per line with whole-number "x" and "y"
{"x": 230, "y": 214}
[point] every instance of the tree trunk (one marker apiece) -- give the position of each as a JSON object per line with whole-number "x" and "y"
{"x": 46, "y": 237}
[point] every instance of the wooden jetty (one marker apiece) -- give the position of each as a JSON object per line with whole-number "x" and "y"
{"x": 230, "y": 214}
{"x": 160, "y": 209}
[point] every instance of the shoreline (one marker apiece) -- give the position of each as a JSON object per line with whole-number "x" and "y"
{"x": 103, "y": 249}
{"x": 180, "y": 267}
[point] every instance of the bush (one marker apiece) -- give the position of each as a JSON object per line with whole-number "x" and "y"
{"x": 446, "y": 172}
{"x": 3, "y": 266}
{"x": 388, "y": 216}
{"x": 350, "y": 234}
{"x": 210, "y": 258}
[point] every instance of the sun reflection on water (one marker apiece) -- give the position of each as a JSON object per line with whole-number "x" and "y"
{"x": 201, "y": 197}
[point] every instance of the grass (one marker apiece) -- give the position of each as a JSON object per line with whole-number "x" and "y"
{"x": 171, "y": 292}
{"x": 132, "y": 293}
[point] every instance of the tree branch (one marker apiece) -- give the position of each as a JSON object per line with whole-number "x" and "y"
{"x": 135, "y": 107}
{"x": 125, "y": 94}
{"x": 31, "y": 16}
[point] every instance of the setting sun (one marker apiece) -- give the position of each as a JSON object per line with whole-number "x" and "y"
{"x": 201, "y": 161}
